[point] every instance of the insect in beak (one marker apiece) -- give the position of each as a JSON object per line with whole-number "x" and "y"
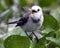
{"x": 33, "y": 11}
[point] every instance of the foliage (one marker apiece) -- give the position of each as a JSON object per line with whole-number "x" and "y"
{"x": 16, "y": 38}
{"x": 16, "y": 41}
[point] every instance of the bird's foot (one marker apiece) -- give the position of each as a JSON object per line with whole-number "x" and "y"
{"x": 36, "y": 38}
{"x": 30, "y": 37}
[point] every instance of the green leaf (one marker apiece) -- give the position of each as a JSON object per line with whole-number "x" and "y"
{"x": 16, "y": 31}
{"x": 44, "y": 3}
{"x": 1, "y": 7}
{"x": 41, "y": 43}
{"x": 23, "y": 3}
{"x": 47, "y": 30}
{"x": 56, "y": 14}
{"x": 9, "y": 2}
{"x": 57, "y": 34}
{"x": 50, "y": 34}
{"x": 8, "y": 15}
{"x": 54, "y": 41}
{"x": 16, "y": 41}
{"x": 50, "y": 22}
{"x": 1, "y": 43}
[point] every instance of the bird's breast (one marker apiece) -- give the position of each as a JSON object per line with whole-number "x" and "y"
{"x": 31, "y": 26}
{"x": 35, "y": 20}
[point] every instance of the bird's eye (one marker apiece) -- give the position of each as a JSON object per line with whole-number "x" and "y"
{"x": 38, "y": 9}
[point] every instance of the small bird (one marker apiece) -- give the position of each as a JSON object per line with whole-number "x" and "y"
{"x": 31, "y": 21}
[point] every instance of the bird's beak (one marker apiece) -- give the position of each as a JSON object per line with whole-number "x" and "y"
{"x": 33, "y": 11}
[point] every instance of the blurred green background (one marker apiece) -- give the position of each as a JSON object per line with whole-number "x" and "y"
{"x": 12, "y": 10}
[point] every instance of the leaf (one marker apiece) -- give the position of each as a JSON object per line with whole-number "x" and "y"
{"x": 41, "y": 43}
{"x": 23, "y": 3}
{"x": 8, "y": 2}
{"x": 47, "y": 30}
{"x": 15, "y": 31}
{"x": 50, "y": 22}
{"x": 1, "y": 7}
{"x": 7, "y": 15}
{"x": 57, "y": 34}
{"x": 56, "y": 14}
{"x": 50, "y": 34}
{"x": 54, "y": 41}
{"x": 29, "y": 2}
{"x": 45, "y": 3}
{"x": 16, "y": 41}
{"x": 5, "y": 12}
{"x": 1, "y": 43}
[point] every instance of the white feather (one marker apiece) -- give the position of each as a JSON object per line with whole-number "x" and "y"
{"x": 30, "y": 25}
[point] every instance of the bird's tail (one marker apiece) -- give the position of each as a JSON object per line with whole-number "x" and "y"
{"x": 12, "y": 22}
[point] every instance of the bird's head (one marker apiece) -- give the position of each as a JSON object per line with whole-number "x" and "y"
{"x": 36, "y": 12}
{"x": 36, "y": 9}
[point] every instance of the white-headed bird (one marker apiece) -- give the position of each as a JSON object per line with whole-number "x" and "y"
{"x": 31, "y": 21}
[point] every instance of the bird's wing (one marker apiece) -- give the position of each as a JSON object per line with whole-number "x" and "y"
{"x": 23, "y": 20}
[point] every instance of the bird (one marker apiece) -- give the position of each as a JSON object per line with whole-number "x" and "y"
{"x": 31, "y": 21}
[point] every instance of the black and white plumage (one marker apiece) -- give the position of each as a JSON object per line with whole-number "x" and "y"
{"x": 31, "y": 21}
